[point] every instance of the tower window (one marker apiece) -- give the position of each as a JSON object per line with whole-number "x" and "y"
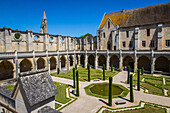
{"x": 152, "y": 43}
{"x": 148, "y": 32}
{"x": 168, "y": 43}
{"x": 130, "y": 44}
{"x": 127, "y": 33}
{"x": 104, "y": 35}
{"x": 124, "y": 44}
{"x": 144, "y": 43}
{"x": 108, "y": 24}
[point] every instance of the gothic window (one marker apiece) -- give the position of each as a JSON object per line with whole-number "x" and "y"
{"x": 144, "y": 43}
{"x": 104, "y": 35}
{"x": 17, "y": 36}
{"x": 36, "y": 38}
{"x": 51, "y": 39}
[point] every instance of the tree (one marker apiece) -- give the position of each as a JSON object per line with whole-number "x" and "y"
{"x": 128, "y": 74}
{"x": 88, "y": 66}
{"x": 131, "y": 89}
{"x": 138, "y": 79}
{"x": 103, "y": 71}
{"x": 110, "y": 91}
{"x": 77, "y": 88}
{"x": 74, "y": 78}
{"x": 87, "y": 34}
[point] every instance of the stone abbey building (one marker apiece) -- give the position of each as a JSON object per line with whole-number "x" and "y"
{"x": 137, "y": 37}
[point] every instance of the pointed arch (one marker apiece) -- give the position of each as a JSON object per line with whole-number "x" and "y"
{"x": 82, "y": 60}
{"x": 144, "y": 61}
{"x": 128, "y": 61}
{"x": 162, "y": 64}
{"x": 114, "y": 60}
{"x": 63, "y": 61}
{"x": 71, "y": 60}
{"x": 40, "y": 63}
{"x": 25, "y": 65}
{"x": 102, "y": 60}
{"x": 91, "y": 60}
{"x": 6, "y": 70}
{"x": 53, "y": 63}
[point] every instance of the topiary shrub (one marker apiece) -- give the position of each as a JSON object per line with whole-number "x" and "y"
{"x": 111, "y": 67}
{"x": 76, "y": 66}
{"x": 128, "y": 74}
{"x": 77, "y": 88}
{"x": 74, "y": 78}
{"x": 103, "y": 71}
{"x": 138, "y": 80}
{"x": 110, "y": 91}
{"x": 88, "y": 66}
{"x": 58, "y": 70}
{"x": 131, "y": 89}
{"x": 142, "y": 70}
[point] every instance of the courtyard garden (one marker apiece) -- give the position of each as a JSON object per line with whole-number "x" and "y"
{"x": 101, "y": 90}
{"x": 157, "y": 85}
{"x": 83, "y": 74}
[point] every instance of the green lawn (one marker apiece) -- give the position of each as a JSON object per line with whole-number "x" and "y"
{"x": 147, "y": 109}
{"x": 57, "y": 105}
{"x": 61, "y": 96}
{"x": 83, "y": 74}
{"x": 11, "y": 87}
{"x": 154, "y": 84}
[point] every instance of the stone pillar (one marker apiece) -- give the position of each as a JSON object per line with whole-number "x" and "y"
{"x": 78, "y": 59}
{"x": 136, "y": 42}
{"x": 96, "y": 63}
{"x": 68, "y": 62}
{"x": 85, "y": 59}
{"x": 159, "y": 44}
{"x": 113, "y": 39}
{"x": 118, "y": 36}
{"x": 48, "y": 62}
{"x": 107, "y": 60}
{"x": 80, "y": 44}
{"x": 46, "y": 41}
{"x": 29, "y": 40}
{"x": 75, "y": 59}
{"x": 59, "y": 42}
{"x": 152, "y": 62}
{"x": 59, "y": 60}
{"x": 135, "y": 61}
{"x": 7, "y": 39}
{"x": 17, "y": 68}
{"x": 92, "y": 43}
{"x": 34, "y": 60}
{"x": 120, "y": 59}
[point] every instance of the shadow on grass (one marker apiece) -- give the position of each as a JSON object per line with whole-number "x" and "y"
{"x": 103, "y": 101}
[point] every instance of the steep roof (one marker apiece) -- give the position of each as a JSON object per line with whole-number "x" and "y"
{"x": 37, "y": 86}
{"x": 140, "y": 16}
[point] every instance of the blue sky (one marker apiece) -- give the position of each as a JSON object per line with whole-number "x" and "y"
{"x": 64, "y": 17}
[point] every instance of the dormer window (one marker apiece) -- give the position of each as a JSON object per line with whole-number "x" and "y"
{"x": 108, "y": 24}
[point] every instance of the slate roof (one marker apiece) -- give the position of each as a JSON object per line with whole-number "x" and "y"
{"x": 37, "y": 86}
{"x": 140, "y": 16}
{"x": 48, "y": 109}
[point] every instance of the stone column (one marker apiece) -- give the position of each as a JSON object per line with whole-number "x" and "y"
{"x": 113, "y": 39}
{"x": 80, "y": 44}
{"x": 34, "y": 60}
{"x": 85, "y": 59}
{"x": 152, "y": 62}
{"x": 78, "y": 59}
{"x": 46, "y": 41}
{"x": 107, "y": 60}
{"x": 17, "y": 68}
{"x": 135, "y": 61}
{"x": 136, "y": 42}
{"x": 92, "y": 43}
{"x": 74, "y": 60}
{"x": 96, "y": 63}
{"x": 59, "y": 61}
{"x": 68, "y": 62}
{"x": 48, "y": 62}
{"x": 120, "y": 59}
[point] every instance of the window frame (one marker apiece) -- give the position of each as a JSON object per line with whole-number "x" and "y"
{"x": 148, "y": 32}
{"x": 108, "y": 24}
{"x": 124, "y": 44}
{"x": 127, "y": 34}
{"x": 143, "y": 43}
{"x": 167, "y": 43}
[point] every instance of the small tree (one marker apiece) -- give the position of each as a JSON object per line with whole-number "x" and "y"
{"x": 76, "y": 66}
{"x": 111, "y": 67}
{"x": 138, "y": 79}
{"x": 131, "y": 88}
{"x": 110, "y": 91}
{"x": 142, "y": 70}
{"x": 128, "y": 74}
{"x": 74, "y": 78}
{"x": 58, "y": 70}
{"x": 88, "y": 66}
{"x": 77, "y": 88}
{"x": 103, "y": 71}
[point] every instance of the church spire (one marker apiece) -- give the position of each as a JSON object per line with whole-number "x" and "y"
{"x": 44, "y": 24}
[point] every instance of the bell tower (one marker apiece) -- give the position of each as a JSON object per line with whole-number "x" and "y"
{"x": 44, "y": 24}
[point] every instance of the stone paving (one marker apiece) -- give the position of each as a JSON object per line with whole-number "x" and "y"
{"x": 90, "y": 104}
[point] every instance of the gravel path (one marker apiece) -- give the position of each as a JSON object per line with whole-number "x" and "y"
{"x": 90, "y": 104}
